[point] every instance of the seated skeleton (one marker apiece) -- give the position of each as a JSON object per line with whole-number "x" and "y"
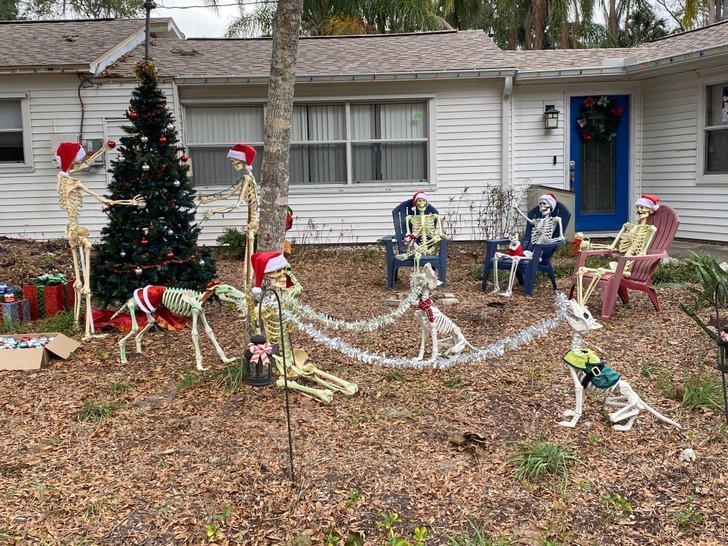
{"x": 542, "y": 231}
{"x": 424, "y": 231}
{"x": 632, "y": 240}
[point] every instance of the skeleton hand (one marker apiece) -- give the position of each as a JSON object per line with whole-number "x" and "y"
{"x": 138, "y": 201}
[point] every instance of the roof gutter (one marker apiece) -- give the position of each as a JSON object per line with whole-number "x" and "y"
{"x": 533, "y": 75}
{"x": 329, "y": 78}
{"x": 674, "y": 60}
{"x": 70, "y": 69}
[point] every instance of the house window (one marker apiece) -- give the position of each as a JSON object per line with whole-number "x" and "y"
{"x": 716, "y": 129}
{"x": 11, "y": 132}
{"x": 336, "y": 143}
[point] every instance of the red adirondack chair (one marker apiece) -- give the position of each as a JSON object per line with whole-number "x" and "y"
{"x": 666, "y": 220}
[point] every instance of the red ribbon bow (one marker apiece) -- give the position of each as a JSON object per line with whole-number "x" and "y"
{"x": 426, "y": 306}
{"x": 260, "y": 353}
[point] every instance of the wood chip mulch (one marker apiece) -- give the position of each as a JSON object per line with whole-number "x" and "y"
{"x": 183, "y": 460}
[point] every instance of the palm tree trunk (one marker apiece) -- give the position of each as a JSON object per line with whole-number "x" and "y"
{"x": 277, "y": 144}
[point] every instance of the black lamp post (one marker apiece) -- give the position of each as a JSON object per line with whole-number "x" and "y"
{"x": 551, "y": 117}
{"x": 721, "y": 295}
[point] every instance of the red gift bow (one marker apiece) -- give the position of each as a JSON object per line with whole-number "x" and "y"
{"x": 260, "y": 353}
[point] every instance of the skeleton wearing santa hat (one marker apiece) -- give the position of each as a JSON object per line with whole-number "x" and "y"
{"x": 71, "y": 158}
{"x": 424, "y": 231}
{"x": 272, "y": 272}
{"x": 632, "y": 240}
{"x": 542, "y": 232}
{"x": 241, "y": 157}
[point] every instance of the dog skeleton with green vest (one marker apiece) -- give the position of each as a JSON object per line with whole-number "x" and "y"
{"x": 587, "y": 369}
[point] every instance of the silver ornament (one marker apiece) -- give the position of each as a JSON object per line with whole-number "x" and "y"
{"x": 145, "y": 230}
{"x": 122, "y": 254}
{"x": 202, "y": 262}
{"x": 170, "y": 232}
{"x": 145, "y": 167}
{"x": 144, "y": 139}
{"x": 176, "y": 183}
{"x": 170, "y": 127}
{"x": 138, "y": 271}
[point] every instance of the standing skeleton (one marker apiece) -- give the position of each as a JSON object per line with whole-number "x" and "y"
{"x": 587, "y": 369}
{"x": 241, "y": 156}
{"x": 433, "y": 321}
{"x": 182, "y": 302}
{"x": 542, "y": 231}
{"x": 70, "y": 156}
{"x": 271, "y": 268}
{"x": 424, "y": 231}
{"x": 632, "y": 240}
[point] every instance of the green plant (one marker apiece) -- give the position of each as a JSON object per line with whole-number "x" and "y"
{"x": 213, "y": 532}
{"x": 120, "y": 386}
{"x": 331, "y": 537}
{"x": 189, "y": 379}
{"x": 689, "y": 515}
{"x": 355, "y": 497}
{"x": 388, "y": 520}
{"x": 538, "y": 460}
{"x": 394, "y": 375}
{"x": 674, "y": 271}
{"x": 62, "y": 322}
{"x": 235, "y": 374}
{"x": 96, "y": 410}
{"x": 702, "y": 392}
{"x": 618, "y": 504}
{"x": 454, "y": 382}
{"x": 8, "y": 327}
{"x": 232, "y": 243}
{"x": 477, "y": 536}
{"x": 476, "y": 272}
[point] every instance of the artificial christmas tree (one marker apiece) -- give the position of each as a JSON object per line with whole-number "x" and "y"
{"x": 158, "y": 244}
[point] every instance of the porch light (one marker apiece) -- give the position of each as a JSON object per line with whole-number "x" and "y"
{"x": 551, "y": 117}
{"x": 258, "y": 358}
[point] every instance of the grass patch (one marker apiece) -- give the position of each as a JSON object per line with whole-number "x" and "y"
{"x": 235, "y": 374}
{"x": 120, "y": 386}
{"x": 702, "y": 392}
{"x": 96, "y": 410}
{"x": 189, "y": 379}
{"x": 63, "y": 322}
{"x": 539, "y": 460}
{"x": 476, "y": 272}
{"x": 9, "y": 327}
{"x": 689, "y": 516}
{"x": 673, "y": 271}
{"x": 454, "y": 382}
{"x": 477, "y": 536}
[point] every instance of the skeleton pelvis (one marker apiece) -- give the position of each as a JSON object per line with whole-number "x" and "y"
{"x": 77, "y": 233}
{"x": 300, "y": 356}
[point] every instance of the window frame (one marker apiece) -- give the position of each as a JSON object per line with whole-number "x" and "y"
{"x": 27, "y": 165}
{"x": 429, "y": 99}
{"x": 703, "y": 177}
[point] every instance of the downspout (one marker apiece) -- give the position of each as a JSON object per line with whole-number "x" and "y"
{"x": 506, "y": 132}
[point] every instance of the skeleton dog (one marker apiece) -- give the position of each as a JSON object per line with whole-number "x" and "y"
{"x": 433, "y": 321}
{"x": 183, "y": 302}
{"x": 586, "y": 369}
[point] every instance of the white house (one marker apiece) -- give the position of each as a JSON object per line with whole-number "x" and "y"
{"x": 377, "y": 118}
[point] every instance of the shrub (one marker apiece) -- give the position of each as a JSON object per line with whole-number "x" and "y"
{"x": 537, "y": 460}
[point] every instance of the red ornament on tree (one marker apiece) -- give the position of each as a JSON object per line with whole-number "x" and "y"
{"x": 163, "y": 140}
{"x": 184, "y": 158}
{"x": 133, "y": 115}
{"x": 170, "y": 255}
{"x": 111, "y": 144}
{"x": 144, "y": 241}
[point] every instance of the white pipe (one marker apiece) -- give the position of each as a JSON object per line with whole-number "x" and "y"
{"x": 506, "y": 132}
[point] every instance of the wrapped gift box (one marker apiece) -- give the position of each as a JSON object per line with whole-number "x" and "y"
{"x": 47, "y": 300}
{"x": 16, "y": 311}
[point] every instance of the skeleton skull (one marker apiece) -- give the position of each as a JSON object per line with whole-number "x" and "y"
{"x": 238, "y": 164}
{"x": 421, "y": 204}
{"x": 544, "y": 207}
{"x": 580, "y": 318}
{"x": 643, "y": 212}
{"x": 277, "y": 278}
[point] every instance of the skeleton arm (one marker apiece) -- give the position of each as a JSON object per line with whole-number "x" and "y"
{"x": 623, "y": 235}
{"x": 86, "y": 163}
{"x": 557, "y": 219}
{"x": 137, "y": 200}
{"x": 529, "y": 220}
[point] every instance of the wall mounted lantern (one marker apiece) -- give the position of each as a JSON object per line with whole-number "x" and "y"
{"x": 551, "y": 117}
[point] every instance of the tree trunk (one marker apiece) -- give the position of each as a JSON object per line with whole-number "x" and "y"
{"x": 277, "y": 144}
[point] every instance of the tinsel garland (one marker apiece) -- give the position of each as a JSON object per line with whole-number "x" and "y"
{"x": 495, "y": 349}
{"x": 295, "y": 307}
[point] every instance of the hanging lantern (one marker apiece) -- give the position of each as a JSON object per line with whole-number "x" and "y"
{"x": 258, "y": 358}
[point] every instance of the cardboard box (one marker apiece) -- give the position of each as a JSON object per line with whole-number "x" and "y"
{"x": 33, "y": 359}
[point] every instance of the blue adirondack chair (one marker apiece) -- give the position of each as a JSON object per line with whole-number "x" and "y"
{"x": 527, "y": 269}
{"x": 395, "y": 245}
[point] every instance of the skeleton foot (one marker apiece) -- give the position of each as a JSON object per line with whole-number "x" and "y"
{"x": 506, "y": 294}
{"x": 625, "y": 427}
{"x": 574, "y": 418}
{"x": 457, "y": 348}
{"x": 201, "y": 368}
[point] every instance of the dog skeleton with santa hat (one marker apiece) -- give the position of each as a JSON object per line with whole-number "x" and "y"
{"x": 632, "y": 240}
{"x": 241, "y": 156}
{"x": 71, "y": 157}
{"x": 272, "y": 272}
{"x": 542, "y": 232}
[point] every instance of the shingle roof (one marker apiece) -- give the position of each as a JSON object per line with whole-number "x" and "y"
{"x": 368, "y": 54}
{"x": 61, "y": 43}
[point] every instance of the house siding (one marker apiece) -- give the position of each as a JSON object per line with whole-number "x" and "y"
{"x": 670, "y": 156}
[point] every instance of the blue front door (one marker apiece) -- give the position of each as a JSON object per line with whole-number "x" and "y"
{"x": 599, "y": 166}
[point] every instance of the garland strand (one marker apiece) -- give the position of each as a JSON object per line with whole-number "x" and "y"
{"x": 298, "y": 309}
{"x": 497, "y": 348}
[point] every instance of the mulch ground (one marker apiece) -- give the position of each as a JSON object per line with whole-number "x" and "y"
{"x": 183, "y": 460}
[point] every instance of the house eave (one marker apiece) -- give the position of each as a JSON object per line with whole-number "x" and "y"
{"x": 67, "y": 69}
{"x": 569, "y": 73}
{"x": 342, "y": 77}
{"x": 639, "y": 67}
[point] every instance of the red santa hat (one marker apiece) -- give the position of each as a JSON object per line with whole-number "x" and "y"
{"x": 149, "y": 297}
{"x": 550, "y": 198}
{"x": 649, "y": 201}
{"x": 243, "y": 152}
{"x": 265, "y": 262}
{"x": 67, "y": 154}
{"x": 419, "y": 195}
